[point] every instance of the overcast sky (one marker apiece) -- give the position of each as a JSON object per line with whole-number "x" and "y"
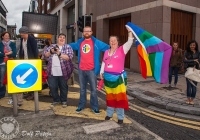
{"x": 15, "y": 9}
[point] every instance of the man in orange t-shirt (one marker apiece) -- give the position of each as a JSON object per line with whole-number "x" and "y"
{"x": 89, "y": 49}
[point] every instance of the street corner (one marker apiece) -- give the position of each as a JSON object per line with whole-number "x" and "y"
{"x": 73, "y": 96}
{"x": 59, "y": 110}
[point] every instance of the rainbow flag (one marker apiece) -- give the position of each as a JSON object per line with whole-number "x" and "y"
{"x": 115, "y": 87}
{"x": 154, "y": 54}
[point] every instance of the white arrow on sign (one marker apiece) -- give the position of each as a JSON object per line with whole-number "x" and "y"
{"x": 20, "y": 80}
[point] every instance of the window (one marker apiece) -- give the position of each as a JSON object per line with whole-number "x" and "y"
{"x": 71, "y": 15}
{"x": 48, "y": 6}
{"x": 42, "y": 2}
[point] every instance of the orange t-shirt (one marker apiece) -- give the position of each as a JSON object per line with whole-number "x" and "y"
{"x": 87, "y": 55}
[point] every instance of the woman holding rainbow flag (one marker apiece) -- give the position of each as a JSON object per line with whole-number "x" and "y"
{"x": 115, "y": 80}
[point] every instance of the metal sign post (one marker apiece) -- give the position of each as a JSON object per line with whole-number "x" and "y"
{"x": 15, "y": 109}
{"x": 36, "y": 101}
{"x": 24, "y": 76}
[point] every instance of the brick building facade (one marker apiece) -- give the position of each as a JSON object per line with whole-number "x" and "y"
{"x": 12, "y": 30}
{"x": 46, "y": 6}
{"x": 3, "y": 20}
{"x": 170, "y": 20}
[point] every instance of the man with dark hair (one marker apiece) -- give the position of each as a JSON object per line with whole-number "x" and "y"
{"x": 28, "y": 50}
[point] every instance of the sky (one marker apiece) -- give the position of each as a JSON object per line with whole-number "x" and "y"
{"x": 15, "y": 9}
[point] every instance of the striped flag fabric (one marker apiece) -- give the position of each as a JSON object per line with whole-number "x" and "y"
{"x": 154, "y": 54}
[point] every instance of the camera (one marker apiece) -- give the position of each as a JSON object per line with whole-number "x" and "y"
{"x": 56, "y": 48}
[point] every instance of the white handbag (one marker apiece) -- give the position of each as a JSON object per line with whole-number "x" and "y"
{"x": 193, "y": 74}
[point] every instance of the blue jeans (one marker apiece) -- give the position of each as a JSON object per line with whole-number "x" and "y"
{"x": 56, "y": 82}
{"x": 119, "y": 111}
{"x": 86, "y": 76}
{"x": 175, "y": 70}
{"x": 191, "y": 89}
{"x": 2, "y": 74}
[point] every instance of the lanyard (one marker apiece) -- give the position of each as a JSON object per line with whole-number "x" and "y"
{"x": 110, "y": 56}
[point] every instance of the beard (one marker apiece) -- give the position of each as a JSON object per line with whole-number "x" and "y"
{"x": 87, "y": 36}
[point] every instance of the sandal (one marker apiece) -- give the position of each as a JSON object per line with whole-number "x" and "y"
{"x": 187, "y": 102}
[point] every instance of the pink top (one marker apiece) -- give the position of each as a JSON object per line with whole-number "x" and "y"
{"x": 115, "y": 62}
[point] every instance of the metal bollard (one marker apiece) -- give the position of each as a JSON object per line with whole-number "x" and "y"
{"x": 36, "y": 101}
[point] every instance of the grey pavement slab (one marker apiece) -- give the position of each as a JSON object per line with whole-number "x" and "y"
{"x": 187, "y": 116}
{"x": 98, "y": 127}
{"x": 184, "y": 109}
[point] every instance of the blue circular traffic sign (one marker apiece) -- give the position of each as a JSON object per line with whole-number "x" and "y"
{"x": 24, "y": 75}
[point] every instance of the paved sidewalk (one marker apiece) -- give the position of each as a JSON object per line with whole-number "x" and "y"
{"x": 173, "y": 99}
{"x": 160, "y": 96}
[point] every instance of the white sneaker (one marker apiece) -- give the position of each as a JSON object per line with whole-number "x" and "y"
{"x": 174, "y": 85}
{"x": 168, "y": 85}
{"x": 10, "y": 102}
{"x": 64, "y": 104}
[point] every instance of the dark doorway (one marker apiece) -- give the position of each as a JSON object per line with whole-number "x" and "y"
{"x": 181, "y": 28}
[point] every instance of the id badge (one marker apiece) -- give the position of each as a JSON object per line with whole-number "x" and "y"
{"x": 110, "y": 66}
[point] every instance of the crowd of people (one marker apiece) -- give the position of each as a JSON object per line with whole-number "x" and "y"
{"x": 58, "y": 58}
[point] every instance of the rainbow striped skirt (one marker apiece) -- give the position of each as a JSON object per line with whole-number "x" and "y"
{"x": 115, "y": 86}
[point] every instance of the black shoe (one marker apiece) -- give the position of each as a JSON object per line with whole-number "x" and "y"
{"x": 107, "y": 118}
{"x": 54, "y": 104}
{"x": 18, "y": 105}
{"x": 120, "y": 121}
{"x": 78, "y": 110}
{"x": 96, "y": 111}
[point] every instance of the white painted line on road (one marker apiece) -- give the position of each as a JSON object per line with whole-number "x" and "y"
{"x": 100, "y": 127}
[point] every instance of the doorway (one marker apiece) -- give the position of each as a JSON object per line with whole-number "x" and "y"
{"x": 181, "y": 28}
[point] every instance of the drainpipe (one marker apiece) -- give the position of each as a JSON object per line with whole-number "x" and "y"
{"x": 84, "y": 7}
{"x": 76, "y": 19}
